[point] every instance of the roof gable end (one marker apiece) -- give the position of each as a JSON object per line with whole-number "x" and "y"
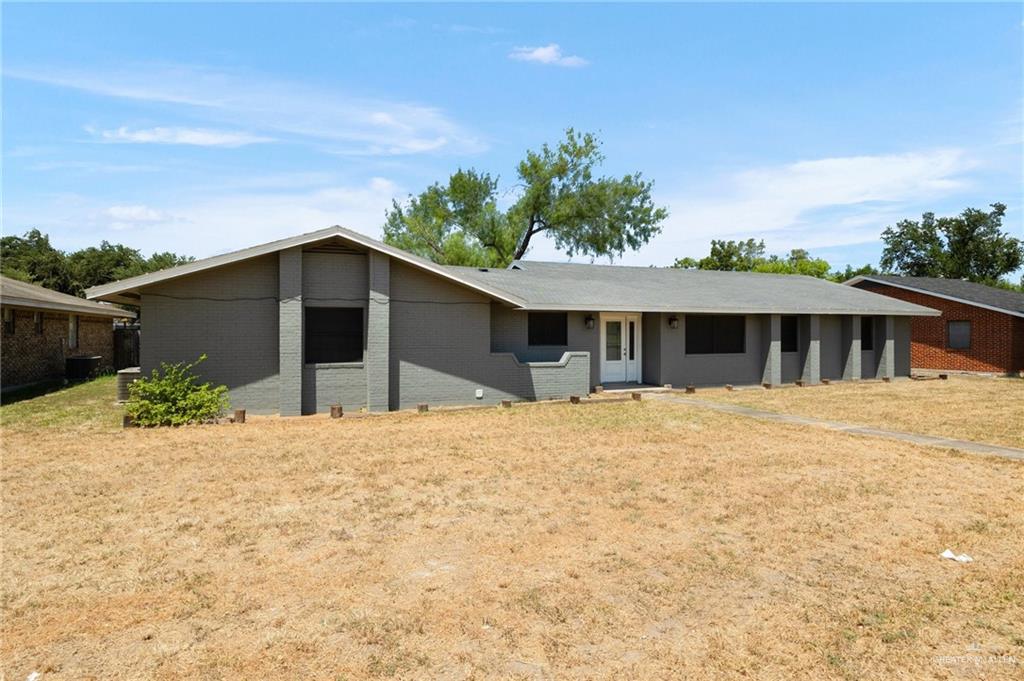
{"x": 123, "y": 290}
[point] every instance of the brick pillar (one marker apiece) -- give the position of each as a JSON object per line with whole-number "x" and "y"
{"x": 378, "y": 336}
{"x": 810, "y": 327}
{"x": 851, "y": 348}
{"x": 773, "y": 351}
{"x": 886, "y": 345}
{"x": 290, "y": 332}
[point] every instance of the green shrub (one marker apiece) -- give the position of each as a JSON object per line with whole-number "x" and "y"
{"x": 175, "y": 398}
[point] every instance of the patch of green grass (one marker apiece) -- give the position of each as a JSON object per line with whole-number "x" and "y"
{"x": 89, "y": 405}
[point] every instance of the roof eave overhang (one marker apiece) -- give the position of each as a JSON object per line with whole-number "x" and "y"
{"x": 921, "y": 312}
{"x": 925, "y": 292}
{"x": 15, "y": 301}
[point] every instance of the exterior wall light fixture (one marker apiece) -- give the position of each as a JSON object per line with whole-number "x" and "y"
{"x": 673, "y": 322}
{"x": 588, "y": 321}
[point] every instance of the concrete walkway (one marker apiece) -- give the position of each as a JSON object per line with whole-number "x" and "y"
{"x": 929, "y": 440}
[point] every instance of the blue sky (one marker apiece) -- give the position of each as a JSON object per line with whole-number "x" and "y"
{"x": 204, "y": 128}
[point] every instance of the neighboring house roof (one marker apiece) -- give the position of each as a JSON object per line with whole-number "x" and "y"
{"x": 566, "y": 286}
{"x": 554, "y": 286}
{"x": 968, "y": 292}
{"x": 127, "y": 290}
{"x": 22, "y": 294}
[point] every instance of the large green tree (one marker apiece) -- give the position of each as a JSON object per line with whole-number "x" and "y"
{"x": 559, "y": 195}
{"x": 969, "y": 246}
{"x": 32, "y": 258}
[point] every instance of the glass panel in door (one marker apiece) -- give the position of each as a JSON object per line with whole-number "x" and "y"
{"x": 613, "y": 341}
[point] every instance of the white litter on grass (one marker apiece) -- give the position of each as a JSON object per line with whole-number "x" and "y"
{"x": 962, "y": 558}
{"x": 34, "y": 676}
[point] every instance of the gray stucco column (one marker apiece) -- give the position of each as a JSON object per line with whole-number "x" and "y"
{"x": 378, "y": 333}
{"x": 290, "y": 334}
{"x": 887, "y": 347}
{"x": 851, "y": 348}
{"x": 810, "y": 327}
{"x": 773, "y": 351}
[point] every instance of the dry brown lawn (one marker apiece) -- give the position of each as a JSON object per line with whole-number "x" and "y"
{"x": 617, "y": 540}
{"x": 964, "y": 407}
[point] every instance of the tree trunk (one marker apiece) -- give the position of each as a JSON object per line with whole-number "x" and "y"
{"x": 524, "y": 243}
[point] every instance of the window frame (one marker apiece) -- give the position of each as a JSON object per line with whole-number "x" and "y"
{"x": 867, "y": 341}
{"x": 796, "y": 332}
{"x": 970, "y": 330}
{"x": 564, "y": 337}
{"x": 716, "y": 321}
{"x": 314, "y": 359}
{"x": 73, "y": 331}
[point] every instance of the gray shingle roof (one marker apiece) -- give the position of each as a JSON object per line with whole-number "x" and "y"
{"x": 22, "y": 294}
{"x": 1011, "y": 302}
{"x": 563, "y": 286}
{"x": 559, "y": 286}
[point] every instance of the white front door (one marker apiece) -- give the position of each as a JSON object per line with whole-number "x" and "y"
{"x": 620, "y": 348}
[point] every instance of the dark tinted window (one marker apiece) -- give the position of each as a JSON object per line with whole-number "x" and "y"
{"x": 715, "y": 334}
{"x": 790, "y": 333}
{"x": 334, "y": 334}
{"x": 867, "y": 333}
{"x": 958, "y": 335}
{"x": 700, "y": 334}
{"x": 547, "y": 328}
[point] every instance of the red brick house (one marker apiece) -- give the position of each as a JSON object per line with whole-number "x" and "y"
{"x": 42, "y": 328}
{"x": 981, "y": 328}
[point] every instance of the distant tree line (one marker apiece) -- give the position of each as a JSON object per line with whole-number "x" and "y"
{"x": 969, "y": 246}
{"x": 750, "y": 256}
{"x": 33, "y": 258}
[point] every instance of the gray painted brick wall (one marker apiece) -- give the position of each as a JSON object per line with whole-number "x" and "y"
{"x": 378, "y": 336}
{"x": 852, "y": 353}
{"x": 510, "y": 333}
{"x": 772, "y": 349}
{"x": 440, "y": 350}
{"x": 887, "y": 354}
{"x": 810, "y": 350}
{"x": 679, "y": 368}
{"x": 290, "y": 334}
{"x": 229, "y": 313}
{"x": 651, "y": 343}
{"x": 832, "y": 356}
{"x": 324, "y": 385}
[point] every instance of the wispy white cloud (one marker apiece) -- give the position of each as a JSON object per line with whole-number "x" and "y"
{"x": 320, "y": 115}
{"x": 811, "y": 204}
{"x": 131, "y": 216}
{"x": 92, "y": 167}
{"x": 815, "y": 203}
{"x": 201, "y": 222}
{"x": 200, "y": 137}
{"x": 548, "y": 54}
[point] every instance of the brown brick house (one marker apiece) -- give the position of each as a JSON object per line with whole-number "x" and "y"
{"x": 981, "y": 328}
{"x": 42, "y": 328}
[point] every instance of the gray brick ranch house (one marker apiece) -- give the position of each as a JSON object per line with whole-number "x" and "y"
{"x": 334, "y": 317}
